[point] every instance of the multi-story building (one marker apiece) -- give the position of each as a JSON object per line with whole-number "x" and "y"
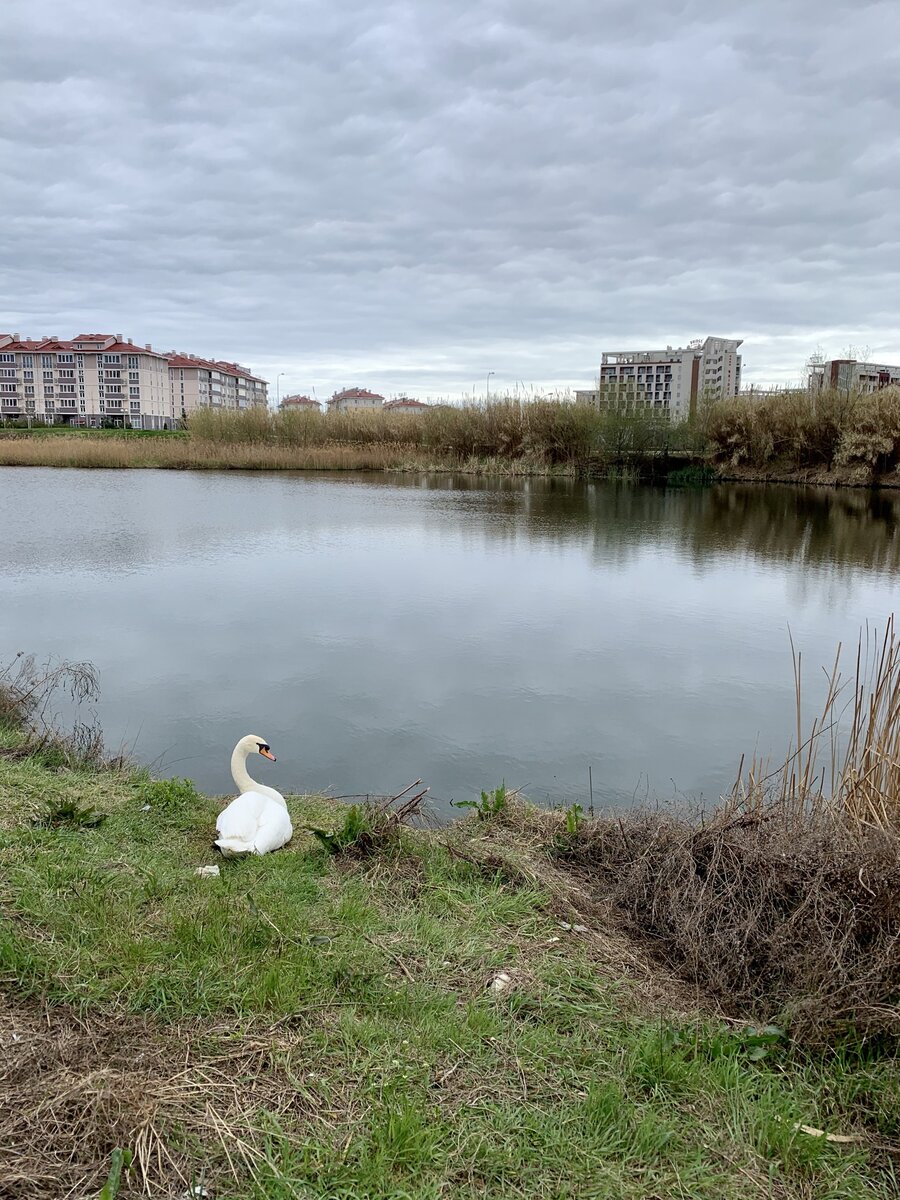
{"x": 668, "y": 382}
{"x": 205, "y": 383}
{"x": 405, "y": 404}
{"x": 102, "y": 378}
{"x": 848, "y": 374}
{"x": 93, "y": 379}
{"x": 354, "y": 399}
{"x": 300, "y": 404}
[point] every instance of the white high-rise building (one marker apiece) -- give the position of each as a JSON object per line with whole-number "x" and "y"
{"x": 667, "y": 382}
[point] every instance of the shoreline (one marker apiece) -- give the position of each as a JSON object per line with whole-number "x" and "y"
{"x": 113, "y": 450}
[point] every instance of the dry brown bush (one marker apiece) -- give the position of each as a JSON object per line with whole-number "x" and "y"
{"x": 770, "y": 923}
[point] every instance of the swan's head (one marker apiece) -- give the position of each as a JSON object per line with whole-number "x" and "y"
{"x": 251, "y": 744}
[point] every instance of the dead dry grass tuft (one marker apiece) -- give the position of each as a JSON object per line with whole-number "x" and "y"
{"x": 184, "y": 1099}
{"x": 764, "y": 920}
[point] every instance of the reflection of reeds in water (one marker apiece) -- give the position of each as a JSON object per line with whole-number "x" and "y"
{"x": 847, "y": 767}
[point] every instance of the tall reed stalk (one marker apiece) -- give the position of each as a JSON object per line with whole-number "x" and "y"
{"x": 848, "y": 765}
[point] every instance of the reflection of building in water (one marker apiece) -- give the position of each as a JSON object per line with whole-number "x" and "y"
{"x": 848, "y": 374}
{"x": 667, "y": 382}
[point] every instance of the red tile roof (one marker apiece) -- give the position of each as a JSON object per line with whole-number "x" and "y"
{"x": 300, "y": 400}
{"x": 356, "y": 394}
{"x": 211, "y": 364}
{"x": 406, "y": 402}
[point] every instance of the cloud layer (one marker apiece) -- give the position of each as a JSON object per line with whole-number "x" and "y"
{"x": 410, "y": 195}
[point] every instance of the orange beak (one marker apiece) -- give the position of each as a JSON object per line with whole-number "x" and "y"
{"x": 268, "y": 754}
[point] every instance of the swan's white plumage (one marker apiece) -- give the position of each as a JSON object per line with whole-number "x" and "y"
{"x": 257, "y": 822}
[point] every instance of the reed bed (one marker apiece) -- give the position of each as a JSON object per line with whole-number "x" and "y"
{"x": 855, "y": 434}
{"x": 508, "y": 436}
{"x": 197, "y": 454}
{"x": 549, "y": 432}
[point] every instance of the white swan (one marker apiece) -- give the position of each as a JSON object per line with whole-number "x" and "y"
{"x": 257, "y": 821}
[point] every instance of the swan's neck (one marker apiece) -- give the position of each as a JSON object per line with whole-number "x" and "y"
{"x": 242, "y": 780}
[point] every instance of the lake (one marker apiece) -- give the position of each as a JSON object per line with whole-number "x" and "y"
{"x": 463, "y": 630}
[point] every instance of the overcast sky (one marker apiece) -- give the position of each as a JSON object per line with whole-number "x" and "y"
{"x": 409, "y": 195}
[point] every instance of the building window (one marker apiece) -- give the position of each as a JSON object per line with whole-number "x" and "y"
{"x": 9, "y": 387}
{"x": 65, "y": 358}
{"x": 133, "y": 360}
{"x": 134, "y": 391}
{"x": 113, "y": 374}
{"x": 134, "y": 376}
{"x": 29, "y": 406}
{"x": 80, "y": 359}
{"x": 50, "y": 405}
{"x": 67, "y": 374}
{"x": 48, "y": 391}
{"x": 7, "y": 372}
{"x": 10, "y": 358}
{"x": 27, "y": 360}
{"x": 111, "y": 358}
{"x": 48, "y": 377}
{"x": 46, "y": 360}
{"x": 67, "y": 389}
{"x": 81, "y": 391}
{"x": 29, "y": 389}
{"x": 135, "y": 406}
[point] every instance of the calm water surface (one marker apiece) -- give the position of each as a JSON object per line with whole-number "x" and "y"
{"x": 465, "y": 631}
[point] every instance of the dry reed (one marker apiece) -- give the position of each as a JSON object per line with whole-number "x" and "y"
{"x": 785, "y": 902}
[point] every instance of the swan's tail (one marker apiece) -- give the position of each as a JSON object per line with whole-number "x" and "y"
{"x": 231, "y": 847}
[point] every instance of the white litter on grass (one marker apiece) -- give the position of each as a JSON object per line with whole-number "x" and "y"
{"x": 501, "y": 982}
{"x": 574, "y": 928}
{"x": 206, "y": 872}
{"x": 843, "y": 1138}
{"x": 145, "y": 808}
{"x": 196, "y": 1192}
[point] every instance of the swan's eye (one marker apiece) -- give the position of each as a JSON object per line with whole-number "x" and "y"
{"x": 263, "y": 746}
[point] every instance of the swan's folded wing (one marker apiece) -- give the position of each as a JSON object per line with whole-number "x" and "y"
{"x": 253, "y": 824}
{"x": 274, "y": 829}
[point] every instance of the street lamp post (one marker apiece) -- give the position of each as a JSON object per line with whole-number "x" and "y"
{"x": 278, "y": 388}
{"x": 487, "y": 385}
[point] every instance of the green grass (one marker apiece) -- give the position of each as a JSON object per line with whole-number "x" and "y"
{"x": 387, "y": 1070}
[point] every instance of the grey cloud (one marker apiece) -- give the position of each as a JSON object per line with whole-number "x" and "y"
{"x": 409, "y": 195}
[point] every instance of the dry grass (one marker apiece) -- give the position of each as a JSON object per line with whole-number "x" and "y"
{"x": 771, "y": 924}
{"x": 787, "y": 899}
{"x": 854, "y": 434}
{"x": 28, "y": 695}
{"x": 509, "y": 435}
{"x": 846, "y": 770}
{"x": 72, "y": 1089}
{"x": 195, "y": 454}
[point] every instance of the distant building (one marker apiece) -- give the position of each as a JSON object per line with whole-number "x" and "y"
{"x": 207, "y": 383}
{"x": 667, "y": 382}
{"x": 300, "y": 403}
{"x": 354, "y": 399}
{"x": 847, "y": 374}
{"x": 102, "y": 378}
{"x": 405, "y": 404}
{"x": 91, "y": 380}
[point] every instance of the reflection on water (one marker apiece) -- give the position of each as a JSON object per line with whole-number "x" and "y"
{"x": 376, "y": 629}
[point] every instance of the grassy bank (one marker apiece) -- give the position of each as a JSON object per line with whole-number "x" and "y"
{"x": 391, "y": 1013}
